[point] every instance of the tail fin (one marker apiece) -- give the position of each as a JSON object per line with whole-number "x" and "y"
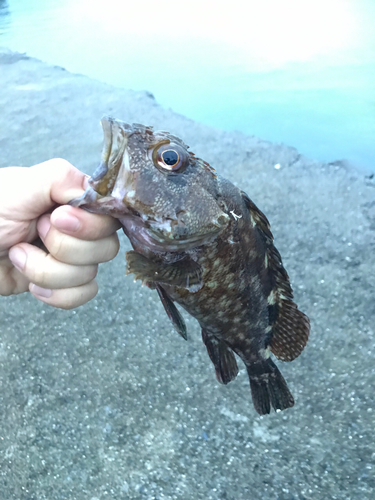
{"x": 268, "y": 387}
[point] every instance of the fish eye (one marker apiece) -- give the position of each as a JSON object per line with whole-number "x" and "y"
{"x": 170, "y": 157}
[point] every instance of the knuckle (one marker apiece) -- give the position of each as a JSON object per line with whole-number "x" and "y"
{"x": 37, "y": 276}
{"x": 7, "y": 283}
{"x": 62, "y": 164}
{"x": 115, "y": 245}
{"x": 55, "y": 244}
{"x": 65, "y": 299}
{"x": 69, "y": 304}
{"x": 111, "y": 246}
{"x": 93, "y": 271}
{"x": 38, "y": 270}
{"x": 63, "y": 167}
{"x": 75, "y": 297}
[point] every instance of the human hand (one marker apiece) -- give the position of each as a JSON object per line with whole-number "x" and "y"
{"x": 76, "y": 240}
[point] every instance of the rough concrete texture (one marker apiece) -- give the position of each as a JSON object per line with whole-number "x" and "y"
{"x": 108, "y": 402}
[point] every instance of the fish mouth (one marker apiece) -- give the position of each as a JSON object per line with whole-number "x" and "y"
{"x": 112, "y": 154}
{"x": 109, "y": 176}
{"x": 102, "y": 168}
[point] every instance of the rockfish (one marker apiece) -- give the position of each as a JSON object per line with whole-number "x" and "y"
{"x": 201, "y": 242}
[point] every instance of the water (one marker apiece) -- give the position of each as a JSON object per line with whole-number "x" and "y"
{"x": 303, "y": 75}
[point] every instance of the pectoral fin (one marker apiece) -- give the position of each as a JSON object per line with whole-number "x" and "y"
{"x": 184, "y": 273}
{"x": 172, "y": 311}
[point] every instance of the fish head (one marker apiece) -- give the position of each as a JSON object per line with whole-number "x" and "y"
{"x": 164, "y": 196}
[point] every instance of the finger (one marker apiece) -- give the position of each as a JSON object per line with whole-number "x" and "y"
{"x": 40, "y": 187}
{"x": 71, "y": 250}
{"x": 12, "y": 281}
{"x": 47, "y": 272}
{"x": 67, "y": 298}
{"x": 82, "y": 224}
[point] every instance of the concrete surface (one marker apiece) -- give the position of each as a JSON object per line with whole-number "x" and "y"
{"x": 108, "y": 402}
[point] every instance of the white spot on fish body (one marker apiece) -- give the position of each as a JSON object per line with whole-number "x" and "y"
{"x": 212, "y": 284}
{"x": 265, "y": 353}
{"x": 165, "y": 226}
{"x": 235, "y": 216}
{"x": 271, "y": 298}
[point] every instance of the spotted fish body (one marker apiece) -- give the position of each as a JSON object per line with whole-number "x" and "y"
{"x": 201, "y": 242}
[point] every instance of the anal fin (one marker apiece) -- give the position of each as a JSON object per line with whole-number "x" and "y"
{"x": 222, "y": 357}
{"x": 172, "y": 311}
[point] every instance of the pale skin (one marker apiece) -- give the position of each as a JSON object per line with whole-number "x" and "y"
{"x": 33, "y": 204}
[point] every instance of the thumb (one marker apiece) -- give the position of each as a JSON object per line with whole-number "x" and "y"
{"x": 32, "y": 191}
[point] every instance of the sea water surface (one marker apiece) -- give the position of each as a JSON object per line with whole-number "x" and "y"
{"x": 297, "y": 72}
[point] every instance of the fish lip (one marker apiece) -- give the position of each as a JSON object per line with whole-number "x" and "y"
{"x": 88, "y": 197}
{"x": 102, "y": 168}
{"x": 93, "y": 202}
{"x": 111, "y": 128}
{"x": 107, "y": 126}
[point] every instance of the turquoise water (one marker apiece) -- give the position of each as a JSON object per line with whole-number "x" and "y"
{"x": 296, "y": 73}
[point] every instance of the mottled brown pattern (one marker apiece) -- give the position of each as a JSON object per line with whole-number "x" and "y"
{"x": 201, "y": 242}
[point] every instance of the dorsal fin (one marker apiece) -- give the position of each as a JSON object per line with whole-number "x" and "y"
{"x": 290, "y": 327}
{"x": 257, "y": 217}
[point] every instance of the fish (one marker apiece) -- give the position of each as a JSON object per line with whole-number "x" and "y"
{"x": 201, "y": 243}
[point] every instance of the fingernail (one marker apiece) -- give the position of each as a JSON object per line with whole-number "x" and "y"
{"x": 40, "y": 292}
{"x": 67, "y": 223}
{"x": 43, "y": 227}
{"x": 18, "y": 258}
